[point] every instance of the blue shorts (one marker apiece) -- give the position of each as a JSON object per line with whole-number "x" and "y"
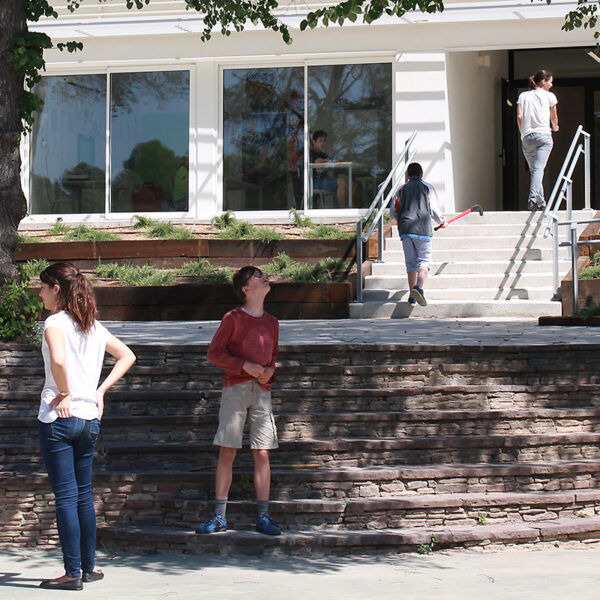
{"x": 417, "y": 253}
{"x": 329, "y": 184}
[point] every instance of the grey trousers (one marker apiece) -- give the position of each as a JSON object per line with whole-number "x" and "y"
{"x": 537, "y": 148}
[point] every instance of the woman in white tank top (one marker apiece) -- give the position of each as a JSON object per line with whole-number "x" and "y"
{"x": 70, "y": 411}
{"x": 536, "y": 113}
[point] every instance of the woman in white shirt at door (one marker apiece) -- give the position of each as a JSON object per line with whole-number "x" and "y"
{"x": 536, "y": 113}
{"x": 71, "y": 407}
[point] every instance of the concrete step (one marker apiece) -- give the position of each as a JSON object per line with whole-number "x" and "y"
{"x": 467, "y": 254}
{"x": 342, "y": 542}
{"x": 441, "y": 244}
{"x": 386, "y": 309}
{"x": 499, "y": 267}
{"x": 397, "y": 290}
{"x": 457, "y": 281}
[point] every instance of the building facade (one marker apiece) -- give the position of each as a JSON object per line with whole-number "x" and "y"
{"x": 150, "y": 119}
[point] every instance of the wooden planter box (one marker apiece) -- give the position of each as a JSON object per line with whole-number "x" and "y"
{"x": 210, "y": 301}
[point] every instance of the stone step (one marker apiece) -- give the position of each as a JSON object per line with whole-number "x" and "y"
{"x": 441, "y": 244}
{"x": 498, "y": 267}
{"x": 376, "y": 424}
{"x": 341, "y": 542}
{"x": 455, "y": 281}
{"x": 311, "y": 482}
{"x": 374, "y": 513}
{"x": 571, "y": 395}
{"x": 349, "y": 451}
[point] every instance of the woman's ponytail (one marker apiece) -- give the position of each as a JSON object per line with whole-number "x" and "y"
{"x": 76, "y": 293}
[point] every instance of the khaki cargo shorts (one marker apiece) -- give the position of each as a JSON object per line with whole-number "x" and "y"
{"x": 236, "y": 402}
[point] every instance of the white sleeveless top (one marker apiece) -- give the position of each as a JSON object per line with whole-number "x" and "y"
{"x": 84, "y": 356}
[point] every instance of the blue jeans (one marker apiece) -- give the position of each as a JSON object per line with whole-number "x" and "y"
{"x": 537, "y": 148}
{"x": 68, "y": 450}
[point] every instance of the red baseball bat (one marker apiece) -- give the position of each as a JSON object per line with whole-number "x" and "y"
{"x": 474, "y": 208}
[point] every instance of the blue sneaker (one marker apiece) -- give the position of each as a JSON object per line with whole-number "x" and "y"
{"x": 418, "y": 294}
{"x": 412, "y": 301}
{"x": 213, "y": 524}
{"x": 266, "y": 525}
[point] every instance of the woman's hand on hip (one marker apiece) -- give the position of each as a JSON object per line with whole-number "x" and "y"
{"x": 100, "y": 403}
{"x": 62, "y": 404}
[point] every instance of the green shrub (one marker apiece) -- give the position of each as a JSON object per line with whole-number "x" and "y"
{"x": 139, "y": 276}
{"x": 19, "y": 312}
{"x": 266, "y": 234}
{"x": 168, "y": 231}
{"x": 33, "y": 268}
{"x": 328, "y": 232}
{"x": 596, "y": 258}
{"x": 58, "y": 228}
{"x": 23, "y": 238}
{"x": 300, "y": 221}
{"x": 300, "y": 272}
{"x": 83, "y": 233}
{"x": 591, "y": 309}
{"x": 225, "y": 220}
{"x": 143, "y": 222}
{"x": 205, "y": 271}
{"x": 592, "y": 272}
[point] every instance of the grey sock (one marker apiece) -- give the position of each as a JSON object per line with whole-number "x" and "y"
{"x": 263, "y": 507}
{"x": 221, "y": 507}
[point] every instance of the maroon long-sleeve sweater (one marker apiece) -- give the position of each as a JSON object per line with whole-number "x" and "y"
{"x": 240, "y": 338}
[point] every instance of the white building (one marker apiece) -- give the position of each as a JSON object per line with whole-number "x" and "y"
{"x": 146, "y": 96}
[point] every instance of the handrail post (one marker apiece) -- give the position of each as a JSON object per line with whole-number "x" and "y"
{"x": 555, "y": 282}
{"x": 359, "y": 261}
{"x": 380, "y": 236}
{"x": 587, "y": 172}
{"x": 569, "y": 200}
{"x": 574, "y": 261}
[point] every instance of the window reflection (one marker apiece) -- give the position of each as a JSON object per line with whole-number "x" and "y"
{"x": 263, "y": 130}
{"x": 149, "y": 118}
{"x": 350, "y": 117}
{"x": 68, "y": 146}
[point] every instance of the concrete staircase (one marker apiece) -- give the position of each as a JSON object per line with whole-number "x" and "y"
{"x": 382, "y": 449}
{"x": 491, "y": 266}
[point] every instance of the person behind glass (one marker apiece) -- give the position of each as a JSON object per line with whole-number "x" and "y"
{"x": 536, "y": 112}
{"x": 322, "y": 181}
{"x": 245, "y": 346}
{"x": 71, "y": 407}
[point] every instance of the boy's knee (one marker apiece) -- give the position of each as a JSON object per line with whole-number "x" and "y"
{"x": 260, "y": 456}
{"x": 227, "y": 455}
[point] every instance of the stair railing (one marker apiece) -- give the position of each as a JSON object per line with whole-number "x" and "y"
{"x": 377, "y": 210}
{"x": 563, "y": 190}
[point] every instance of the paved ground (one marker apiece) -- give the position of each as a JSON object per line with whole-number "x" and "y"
{"x": 497, "y": 332}
{"x": 518, "y": 573}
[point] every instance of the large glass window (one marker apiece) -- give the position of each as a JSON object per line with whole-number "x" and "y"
{"x": 149, "y": 119}
{"x": 68, "y": 148}
{"x": 149, "y": 129}
{"x": 350, "y": 118}
{"x": 263, "y": 131}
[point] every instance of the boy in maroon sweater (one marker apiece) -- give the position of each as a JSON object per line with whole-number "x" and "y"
{"x": 245, "y": 347}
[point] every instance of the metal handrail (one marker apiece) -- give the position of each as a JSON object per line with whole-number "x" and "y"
{"x": 380, "y": 204}
{"x": 563, "y": 189}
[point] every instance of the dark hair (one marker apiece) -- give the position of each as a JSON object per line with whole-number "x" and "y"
{"x": 76, "y": 293}
{"x": 241, "y": 278}
{"x": 536, "y": 80}
{"x": 414, "y": 170}
{"x": 319, "y": 133}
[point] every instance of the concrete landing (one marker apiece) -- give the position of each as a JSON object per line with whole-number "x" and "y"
{"x": 437, "y": 332}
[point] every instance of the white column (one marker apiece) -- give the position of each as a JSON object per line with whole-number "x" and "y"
{"x": 421, "y": 104}
{"x": 204, "y": 138}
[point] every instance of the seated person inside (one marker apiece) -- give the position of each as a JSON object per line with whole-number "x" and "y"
{"x": 322, "y": 180}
